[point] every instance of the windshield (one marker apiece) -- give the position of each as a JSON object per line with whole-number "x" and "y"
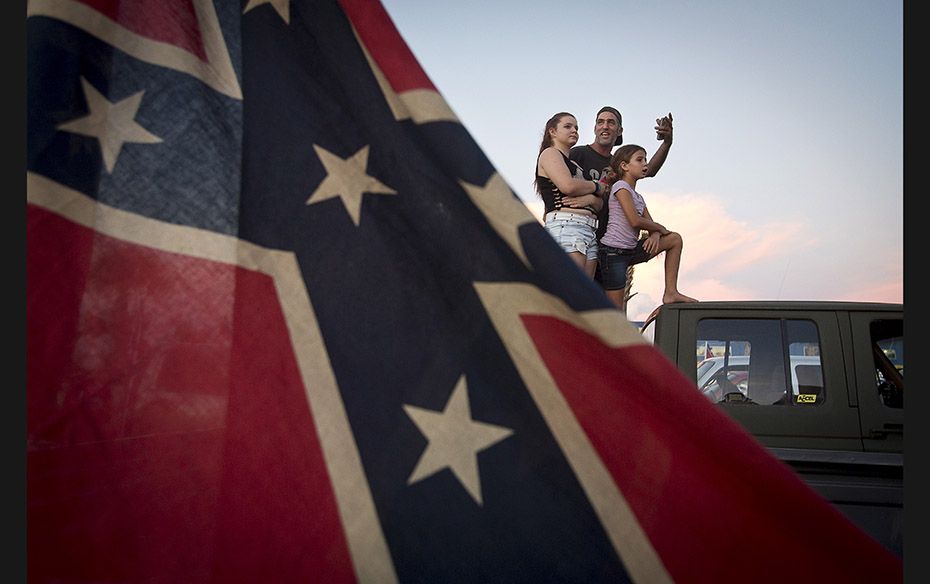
{"x": 704, "y": 366}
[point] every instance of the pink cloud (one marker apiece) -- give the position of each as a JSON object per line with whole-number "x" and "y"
{"x": 888, "y": 291}
{"x": 725, "y": 258}
{"x": 718, "y": 249}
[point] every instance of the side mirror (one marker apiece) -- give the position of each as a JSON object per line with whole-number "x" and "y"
{"x": 891, "y": 394}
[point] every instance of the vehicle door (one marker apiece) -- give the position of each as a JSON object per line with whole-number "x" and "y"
{"x": 815, "y": 414}
{"x": 878, "y": 345}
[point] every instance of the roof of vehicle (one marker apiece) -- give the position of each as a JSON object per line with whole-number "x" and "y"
{"x": 786, "y": 305}
{"x": 783, "y": 305}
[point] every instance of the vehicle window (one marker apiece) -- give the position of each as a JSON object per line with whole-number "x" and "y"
{"x": 804, "y": 356}
{"x": 888, "y": 352}
{"x": 759, "y": 361}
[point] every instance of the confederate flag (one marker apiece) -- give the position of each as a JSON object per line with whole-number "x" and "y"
{"x": 286, "y": 323}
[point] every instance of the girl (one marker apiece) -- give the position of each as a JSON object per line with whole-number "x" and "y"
{"x": 571, "y": 202}
{"x": 621, "y": 246}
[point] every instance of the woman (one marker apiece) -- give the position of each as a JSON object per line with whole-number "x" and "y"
{"x": 571, "y": 202}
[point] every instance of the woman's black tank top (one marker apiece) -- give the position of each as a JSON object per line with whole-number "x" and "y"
{"x": 551, "y": 195}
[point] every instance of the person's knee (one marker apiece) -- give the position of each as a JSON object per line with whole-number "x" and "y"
{"x": 673, "y": 239}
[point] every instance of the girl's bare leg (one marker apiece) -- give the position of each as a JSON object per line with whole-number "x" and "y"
{"x": 582, "y": 262}
{"x": 672, "y": 245}
{"x": 590, "y": 267}
{"x": 579, "y": 259}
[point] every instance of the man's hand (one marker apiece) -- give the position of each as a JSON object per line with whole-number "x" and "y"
{"x": 664, "y": 128}
{"x": 582, "y": 201}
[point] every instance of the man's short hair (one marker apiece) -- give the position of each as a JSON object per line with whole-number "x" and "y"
{"x": 615, "y": 112}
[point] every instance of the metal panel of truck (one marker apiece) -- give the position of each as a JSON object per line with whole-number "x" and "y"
{"x": 829, "y": 424}
{"x": 881, "y": 402}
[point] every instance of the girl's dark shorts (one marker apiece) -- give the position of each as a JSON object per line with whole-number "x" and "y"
{"x": 614, "y": 261}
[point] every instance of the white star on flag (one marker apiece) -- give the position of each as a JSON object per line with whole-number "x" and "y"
{"x": 347, "y": 179}
{"x": 454, "y": 440}
{"x": 113, "y": 124}
{"x": 282, "y": 7}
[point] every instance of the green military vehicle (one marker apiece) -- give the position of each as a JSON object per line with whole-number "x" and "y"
{"x": 820, "y": 384}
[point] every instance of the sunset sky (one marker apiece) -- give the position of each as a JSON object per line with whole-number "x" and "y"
{"x": 785, "y": 178}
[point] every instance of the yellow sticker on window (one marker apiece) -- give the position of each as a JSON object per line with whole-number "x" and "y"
{"x": 807, "y": 398}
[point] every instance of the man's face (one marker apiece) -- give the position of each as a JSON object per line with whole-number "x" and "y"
{"x": 606, "y": 129}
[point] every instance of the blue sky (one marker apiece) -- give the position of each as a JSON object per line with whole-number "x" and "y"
{"x": 786, "y": 175}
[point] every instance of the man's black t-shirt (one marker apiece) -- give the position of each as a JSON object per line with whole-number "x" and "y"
{"x": 589, "y": 160}
{"x": 592, "y": 163}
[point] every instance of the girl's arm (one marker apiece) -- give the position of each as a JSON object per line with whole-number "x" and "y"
{"x": 661, "y": 231}
{"x": 651, "y": 245}
{"x": 636, "y": 221}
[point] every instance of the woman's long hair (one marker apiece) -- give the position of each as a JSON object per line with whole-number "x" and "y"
{"x": 547, "y": 142}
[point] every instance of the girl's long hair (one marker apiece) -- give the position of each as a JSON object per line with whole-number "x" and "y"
{"x": 623, "y": 154}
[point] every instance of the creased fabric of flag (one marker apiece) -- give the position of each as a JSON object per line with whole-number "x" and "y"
{"x": 286, "y": 323}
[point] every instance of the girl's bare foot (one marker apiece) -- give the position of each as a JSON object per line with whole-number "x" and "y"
{"x": 677, "y": 297}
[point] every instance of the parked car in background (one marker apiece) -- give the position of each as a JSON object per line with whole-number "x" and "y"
{"x": 719, "y": 376}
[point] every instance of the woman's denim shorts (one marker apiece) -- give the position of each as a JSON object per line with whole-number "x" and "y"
{"x": 574, "y": 232}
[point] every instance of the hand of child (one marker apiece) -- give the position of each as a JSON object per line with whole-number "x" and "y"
{"x": 651, "y": 245}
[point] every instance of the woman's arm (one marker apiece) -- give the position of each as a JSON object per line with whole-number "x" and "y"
{"x": 552, "y": 166}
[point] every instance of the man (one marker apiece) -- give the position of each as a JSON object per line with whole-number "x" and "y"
{"x": 593, "y": 157}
